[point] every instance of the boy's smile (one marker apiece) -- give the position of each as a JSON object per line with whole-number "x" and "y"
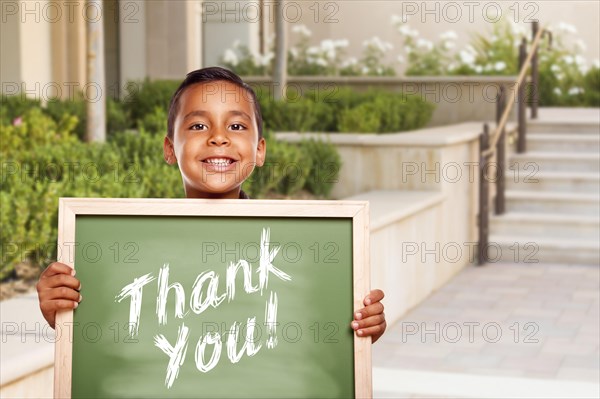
{"x": 215, "y": 140}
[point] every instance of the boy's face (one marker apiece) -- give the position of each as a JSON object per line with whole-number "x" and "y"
{"x": 215, "y": 140}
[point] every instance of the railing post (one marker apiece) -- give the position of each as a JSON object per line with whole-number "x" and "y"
{"x": 521, "y": 101}
{"x": 535, "y": 75}
{"x": 484, "y": 193}
{"x": 500, "y": 155}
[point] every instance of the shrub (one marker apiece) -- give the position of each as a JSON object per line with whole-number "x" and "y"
{"x": 386, "y": 112}
{"x": 592, "y": 85}
{"x": 142, "y": 98}
{"x": 364, "y": 118}
{"x": 155, "y": 122}
{"x": 326, "y": 165}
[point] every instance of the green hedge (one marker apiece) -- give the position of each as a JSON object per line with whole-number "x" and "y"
{"x": 44, "y": 160}
{"x": 345, "y": 110}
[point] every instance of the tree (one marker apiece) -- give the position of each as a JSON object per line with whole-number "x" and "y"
{"x": 280, "y": 70}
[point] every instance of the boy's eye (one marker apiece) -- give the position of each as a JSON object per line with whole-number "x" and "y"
{"x": 237, "y": 126}
{"x": 198, "y": 126}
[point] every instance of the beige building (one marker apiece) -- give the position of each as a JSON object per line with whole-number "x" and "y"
{"x": 43, "y": 42}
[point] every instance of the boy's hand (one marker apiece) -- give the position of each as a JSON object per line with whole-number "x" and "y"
{"x": 370, "y": 320}
{"x": 57, "y": 289}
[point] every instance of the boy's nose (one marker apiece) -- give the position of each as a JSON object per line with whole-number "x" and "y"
{"x": 219, "y": 139}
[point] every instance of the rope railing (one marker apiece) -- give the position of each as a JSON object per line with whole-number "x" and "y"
{"x": 494, "y": 143}
{"x": 513, "y": 95}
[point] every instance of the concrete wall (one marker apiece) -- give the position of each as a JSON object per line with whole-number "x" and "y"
{"x": 423, "y": 187}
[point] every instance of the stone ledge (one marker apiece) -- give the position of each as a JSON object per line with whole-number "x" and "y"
{"x": 429, "y": 137}
{"x": 387, "y": 207}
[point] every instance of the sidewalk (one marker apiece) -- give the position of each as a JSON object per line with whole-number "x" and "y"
{"x": 502, "y": 330}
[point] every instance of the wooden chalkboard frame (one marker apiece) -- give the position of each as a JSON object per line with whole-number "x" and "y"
{"x": 69, "y": 208}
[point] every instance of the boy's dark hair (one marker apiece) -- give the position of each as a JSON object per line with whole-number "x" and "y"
{"x": 207, "y": 75}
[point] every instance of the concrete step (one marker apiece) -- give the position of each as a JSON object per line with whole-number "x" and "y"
{"x": 535, "y": 162}
{"x": 527, "y": 250}
{"x": 550, "y": 126}
{"x": 576, "y": 142}
{"x": 550, "y": 225}
{"x": 580, "y": 182}
{"x": 553, "y": 202}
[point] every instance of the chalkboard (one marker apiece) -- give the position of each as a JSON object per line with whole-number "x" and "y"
{"x": 213, "y": 298}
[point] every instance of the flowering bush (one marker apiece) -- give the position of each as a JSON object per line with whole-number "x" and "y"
{"x": 326, "y": 59}
{"x": 565, "y": 78}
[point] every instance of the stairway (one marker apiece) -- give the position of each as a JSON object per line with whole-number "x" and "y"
{"x": 552, "y": 193}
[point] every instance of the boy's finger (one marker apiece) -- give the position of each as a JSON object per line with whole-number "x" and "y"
{"x": 60, "y": 293}
{"x": 370, "y": 310}
{"x": 57, "y": 268}
{"x": 374, "y": 296}
{"x": 58, "y": 304}
{"x": 374, "y": 331}
{"x": 59, "y": 280}
{"x": 368, "y": 322}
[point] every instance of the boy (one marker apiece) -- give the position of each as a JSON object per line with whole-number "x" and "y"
{"x": 215, "y": 137}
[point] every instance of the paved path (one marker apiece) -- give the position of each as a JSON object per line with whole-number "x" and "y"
{"x": 502, "y": 330}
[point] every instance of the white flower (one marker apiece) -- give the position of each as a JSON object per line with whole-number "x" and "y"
{"x": 349, "y": 62}
{"x": 327, "y": 45}
{"x": 379, "y": 44}
{"x": 396, "y": 19}
{"x": 488, "y": 67}
{"x": 579, "y": 60}
{"x": 265, "y": 60}
{"x": 500, "y": 66}
{"x": 365, "y": 70}
{"x": 321, "y": 62}
{"x": 555, "y": 68}
{"x": 406, "y": 31}
{"x": 562, "y": 26}
{"x": 573, "y": 91}
{"x": 449, "y": 35}
{"x": 229, "y": 57}
{"x": 302, "y": 30}
{"x": 568, "y": 59}
{"x": 379, "y": 70}
{"x": 341, "y": 43}
{"x": 494, "y": 39}
{"x": 596, "y": 64}
{"x": 452, "y": 66}
{"x": 426, "y": 44}
{"x": 478, "y": 68}
{"x": 466, "y": 57}
{"x": 294, "y": 52}
{"x": 559, "y": 76}
{"x": 580, "y": 44}
{"x": 407, "y": 49}
{"x": 313, "y": 50}
{"x": 449, "y": 45}
{"x": 557, "y": 91}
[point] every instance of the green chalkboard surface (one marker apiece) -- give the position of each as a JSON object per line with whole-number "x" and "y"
{"x": 213, "y": 306}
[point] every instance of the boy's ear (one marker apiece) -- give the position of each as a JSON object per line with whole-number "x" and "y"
{"x": 168, "y": 151}
{"x": 261, "y": 152}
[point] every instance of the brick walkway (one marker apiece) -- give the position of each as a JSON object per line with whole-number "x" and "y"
{"x": 498, "y": 331}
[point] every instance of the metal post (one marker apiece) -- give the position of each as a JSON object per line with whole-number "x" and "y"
{"x": 521, "y": 101}
{"x": 535, "y": 75}
{"x": 484, "y": 193}
{"x": 500, "y": 155}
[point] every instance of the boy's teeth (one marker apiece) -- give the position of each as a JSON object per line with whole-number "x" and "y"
{"x": 219, "y": 161}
